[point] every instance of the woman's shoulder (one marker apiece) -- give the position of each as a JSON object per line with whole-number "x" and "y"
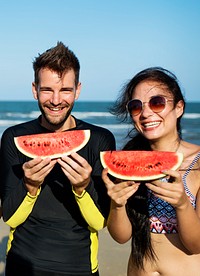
{"x": 191, "y": 153}
{"x": 190, "y": 150}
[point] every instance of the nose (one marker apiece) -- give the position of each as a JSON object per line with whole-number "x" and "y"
{"x": 56, "y": 98}
{"x": 146, "y": 110}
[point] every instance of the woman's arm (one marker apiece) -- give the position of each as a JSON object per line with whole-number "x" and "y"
{"x": 188, "y": 218}
{"x": 189, "y": 225}
{"x": 118, "y": 224}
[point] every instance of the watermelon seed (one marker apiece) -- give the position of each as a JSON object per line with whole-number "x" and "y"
{"x": 46, "y": 144}
{"x": 158, "y": 164}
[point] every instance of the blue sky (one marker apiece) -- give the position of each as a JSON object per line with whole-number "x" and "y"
{"x": 113, "y": 40}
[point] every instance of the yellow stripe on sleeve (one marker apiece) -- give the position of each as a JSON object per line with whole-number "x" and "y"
{"x": 94, "y": 249}
{"x": 23, "y": 210}
{"x": 89, "y": 211}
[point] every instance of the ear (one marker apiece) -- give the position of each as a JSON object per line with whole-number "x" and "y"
{"x": 179, "y": 108}
{"x": 78, "y": 91}
{"x": 34, "y": 91}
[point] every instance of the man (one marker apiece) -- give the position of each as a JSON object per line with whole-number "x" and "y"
{"x": 54, "y": 207}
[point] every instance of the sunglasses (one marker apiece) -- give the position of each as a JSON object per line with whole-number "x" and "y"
{"x": 156, "y": 103}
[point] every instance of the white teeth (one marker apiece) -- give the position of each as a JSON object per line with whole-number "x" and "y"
{"x": 55, "y": 109}
{"x": 151, "y": 124}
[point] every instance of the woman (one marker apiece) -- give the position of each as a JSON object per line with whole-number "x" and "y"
{"x": 163, "y": 216}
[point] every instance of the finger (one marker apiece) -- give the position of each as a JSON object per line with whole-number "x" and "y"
{"x": 39, "y": 171}
{"x": 36, "y": 163}
{"x": 77, "y": 158}
{"x": 121, "y": 197}
{"x": 75, "y": 169}
{"x": 157, "y": 189}
{"x": 48, "y": 167}
{"x": 68, "y": 164}
{"x": 124, "y": 187}
{"x": 165, "y": 191}
{"x": 76, "y": 174}
{"x": 76, "y": 161}
{"x": 172, "y": 173}
{"x": 30, "y": 164}
{"x": 108, "y": 183}
{"x": 131, "y": 190}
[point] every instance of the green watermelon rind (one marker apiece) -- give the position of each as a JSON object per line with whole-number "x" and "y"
{"x": 54, "y": 136}
{"x": 132, "y": 176}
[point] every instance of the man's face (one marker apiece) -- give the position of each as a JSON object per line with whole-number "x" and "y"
{"x": 56, "y": 96}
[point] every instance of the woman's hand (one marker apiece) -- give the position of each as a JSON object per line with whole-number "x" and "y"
{"x": 171, "y": 190}
{"x": 120, "y": 192}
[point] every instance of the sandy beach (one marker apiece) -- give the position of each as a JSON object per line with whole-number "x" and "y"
{"x": 4, "y": 230}
{"x": 113, "y": 257}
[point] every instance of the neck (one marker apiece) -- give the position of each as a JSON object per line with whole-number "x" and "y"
{"x": 68, "y": 124}
{"x": 173, "y": 145}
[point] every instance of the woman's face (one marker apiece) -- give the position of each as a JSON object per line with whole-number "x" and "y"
{"x": 154, "y": 125}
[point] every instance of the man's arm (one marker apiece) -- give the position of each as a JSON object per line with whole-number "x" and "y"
{"x": 94, "y": 203}
{"x": 13, "y": 190}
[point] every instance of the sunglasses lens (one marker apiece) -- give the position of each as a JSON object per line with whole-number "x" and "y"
{"x": 157, "y": 104}
{"x": 134, "y": 107}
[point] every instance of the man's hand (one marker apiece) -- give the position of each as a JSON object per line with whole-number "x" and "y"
{"x": 35, "y": 172}
{"x": 77, "y": 170}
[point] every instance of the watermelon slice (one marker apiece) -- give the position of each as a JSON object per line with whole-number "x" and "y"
{"x": 140, "y": 165}
{"x": 53, "y": 145}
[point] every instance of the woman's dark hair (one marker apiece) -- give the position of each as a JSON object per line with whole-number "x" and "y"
{"x": 158, "y": 74}
{"x": 137, "y": 205}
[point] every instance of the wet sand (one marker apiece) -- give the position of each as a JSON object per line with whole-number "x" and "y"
{"x": 113, "y": 257}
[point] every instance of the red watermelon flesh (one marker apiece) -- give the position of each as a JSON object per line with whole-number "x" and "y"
{"x": 140, "y": 165}
{"x": 53, "y": 145}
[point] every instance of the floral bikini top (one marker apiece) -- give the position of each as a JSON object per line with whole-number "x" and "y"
{"x": 162, "y": 215}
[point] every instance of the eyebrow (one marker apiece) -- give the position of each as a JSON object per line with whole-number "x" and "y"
{"x": 62, "y": 89}
{"x": 45, "y": 88}
{"x": 67, "y": 88}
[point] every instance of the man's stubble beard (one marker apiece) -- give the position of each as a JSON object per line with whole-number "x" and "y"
{"x": 58, "y": 123}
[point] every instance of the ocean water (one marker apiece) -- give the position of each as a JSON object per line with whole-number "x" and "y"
{"x": 15, "y": 112}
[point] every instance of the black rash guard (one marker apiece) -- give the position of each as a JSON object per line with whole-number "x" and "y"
{"x": 56, "y": 230}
